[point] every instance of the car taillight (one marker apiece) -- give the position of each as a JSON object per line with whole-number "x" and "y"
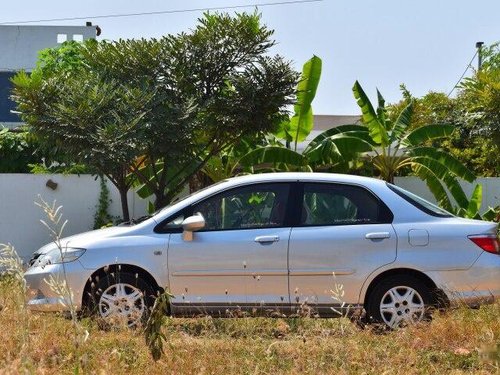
{"x": 487, "y": 242}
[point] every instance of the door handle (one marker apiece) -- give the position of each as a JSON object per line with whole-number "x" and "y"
{"x": 377, "y": 235}
{"x": 266, "y": 239}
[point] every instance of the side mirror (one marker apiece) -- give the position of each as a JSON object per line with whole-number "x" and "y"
{"x": 192, "y": 224}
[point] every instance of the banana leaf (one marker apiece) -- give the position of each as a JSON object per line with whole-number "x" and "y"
{"x": 453, "y": 164}
{"x": 302, "y": 121}
{"x": 272, "y": 155}
{"x": 434, "y": 185}
{"x": 402, "y": 122}
{"x": 427, "y": 133}
{"x": 475, "y": 201}
{"x": 442, "y": 172}
{"x": 376, "y": 128}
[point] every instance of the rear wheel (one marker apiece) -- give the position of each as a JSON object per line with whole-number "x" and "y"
{"x": 399, "y": 300}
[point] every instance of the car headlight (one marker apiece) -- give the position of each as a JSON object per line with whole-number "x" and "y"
{"x": 56, "y": 256}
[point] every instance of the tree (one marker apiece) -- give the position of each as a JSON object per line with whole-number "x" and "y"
{"x": 474, "y": 112}
{"x": 92, "y": 121}
{"x": 159, "y": 108}
{"x": 479, "y": 99}
{"x": 234, "y": 90}
{"x": 273, "y": 151}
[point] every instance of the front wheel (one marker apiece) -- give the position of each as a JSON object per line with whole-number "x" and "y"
{"x": 122, "y": 298}
{"x": 398, "y": 301}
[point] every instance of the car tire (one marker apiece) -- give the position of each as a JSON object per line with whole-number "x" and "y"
{"x": 399, "y": 300}
{"x": 121, "y": 299}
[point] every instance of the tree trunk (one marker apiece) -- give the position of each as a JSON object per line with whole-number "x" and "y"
{"x": 123, "y": 198}
{"x": 390, "y": 178}
{"x": 161, "y": 201}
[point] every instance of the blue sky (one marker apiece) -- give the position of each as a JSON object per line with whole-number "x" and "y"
{"x": 424, "y": 44}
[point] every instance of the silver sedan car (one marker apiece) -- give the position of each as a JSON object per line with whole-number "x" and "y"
{"x": 279, "y": 242}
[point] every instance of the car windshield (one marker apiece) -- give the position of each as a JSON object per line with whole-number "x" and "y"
{"x": 419, "y": 202}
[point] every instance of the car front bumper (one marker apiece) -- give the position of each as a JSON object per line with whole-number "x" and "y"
{"x": 45, "y": 286}
{"x": 480, "y": 284}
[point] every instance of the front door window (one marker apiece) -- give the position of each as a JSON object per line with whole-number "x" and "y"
{"x": 252, "y": 207}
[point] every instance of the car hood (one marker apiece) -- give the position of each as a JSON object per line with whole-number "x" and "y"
{"x": 82, "y": 240}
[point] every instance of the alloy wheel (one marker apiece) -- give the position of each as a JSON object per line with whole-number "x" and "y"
{"x": 401, "y": 305}
{"x": 122, "y": 303}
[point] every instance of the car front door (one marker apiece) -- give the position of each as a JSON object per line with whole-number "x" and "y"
{"x": 239, "y": 259}
{"x": 344, "y": 233}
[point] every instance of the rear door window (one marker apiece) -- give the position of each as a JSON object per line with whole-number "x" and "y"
{"x": 340, "y": 204}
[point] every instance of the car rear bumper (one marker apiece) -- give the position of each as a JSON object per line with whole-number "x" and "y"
{"x": 45, "y": 286}
{"x": 480, "y": 284}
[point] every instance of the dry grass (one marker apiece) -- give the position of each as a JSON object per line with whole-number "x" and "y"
{"x": 453, "y": 343}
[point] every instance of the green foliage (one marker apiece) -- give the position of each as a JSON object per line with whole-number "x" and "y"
{"x": 472, "y": 209}
{"x": 393, "y": 146}
{"x": 102, "y": 217}
{"x": 153, "y": 335}
{"x": 490, "y": 57}
{"x": 60, "y": 168}
{"x": 65, "y": 58}
{"x": 473, "y": 112}
{"x": 22, "y": 152}
{"x": 375, "y": 121}
{"x": 272, "y": 155}
{"x": 298, "y": 127}
{"x": 17, "y": 151}
{"x": 158, "y": 108}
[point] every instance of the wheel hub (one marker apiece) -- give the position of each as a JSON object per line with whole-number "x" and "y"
{"x": 401, "y": 305}
{"x": 122, "y": 302}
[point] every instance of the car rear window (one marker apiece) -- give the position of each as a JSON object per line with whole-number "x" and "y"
{"x": 419, "y": 202}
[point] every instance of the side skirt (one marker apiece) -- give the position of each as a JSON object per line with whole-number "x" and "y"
{"x": 244, "y": 310}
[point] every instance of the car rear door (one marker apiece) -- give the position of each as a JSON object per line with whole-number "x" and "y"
{"x": 343, "y": 234}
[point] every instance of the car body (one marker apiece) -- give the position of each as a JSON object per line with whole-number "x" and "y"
{"x": 279, "y": 242}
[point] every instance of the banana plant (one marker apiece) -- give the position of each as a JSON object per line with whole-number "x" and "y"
{"x": 472, "y": 210}
{"x": 275, "y": 153}
{"x": 322, "y": 153}
{"x": 393, "y": 148}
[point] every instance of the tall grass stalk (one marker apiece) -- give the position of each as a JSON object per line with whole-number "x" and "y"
{"x": 59, "y": 283}
{"x": 11, "y": 265}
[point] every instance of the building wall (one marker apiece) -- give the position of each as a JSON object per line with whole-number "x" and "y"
{"x": 79, "y": 195}
{"x": 19, "y": 48}
{"x": 21, "y": 44}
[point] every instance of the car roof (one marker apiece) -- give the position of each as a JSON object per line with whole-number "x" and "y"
{"x": 303, "y": 176}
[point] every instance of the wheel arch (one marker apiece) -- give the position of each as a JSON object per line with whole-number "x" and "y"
{"x": 439, "y": 297}
{"x": 114, "y": 268}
